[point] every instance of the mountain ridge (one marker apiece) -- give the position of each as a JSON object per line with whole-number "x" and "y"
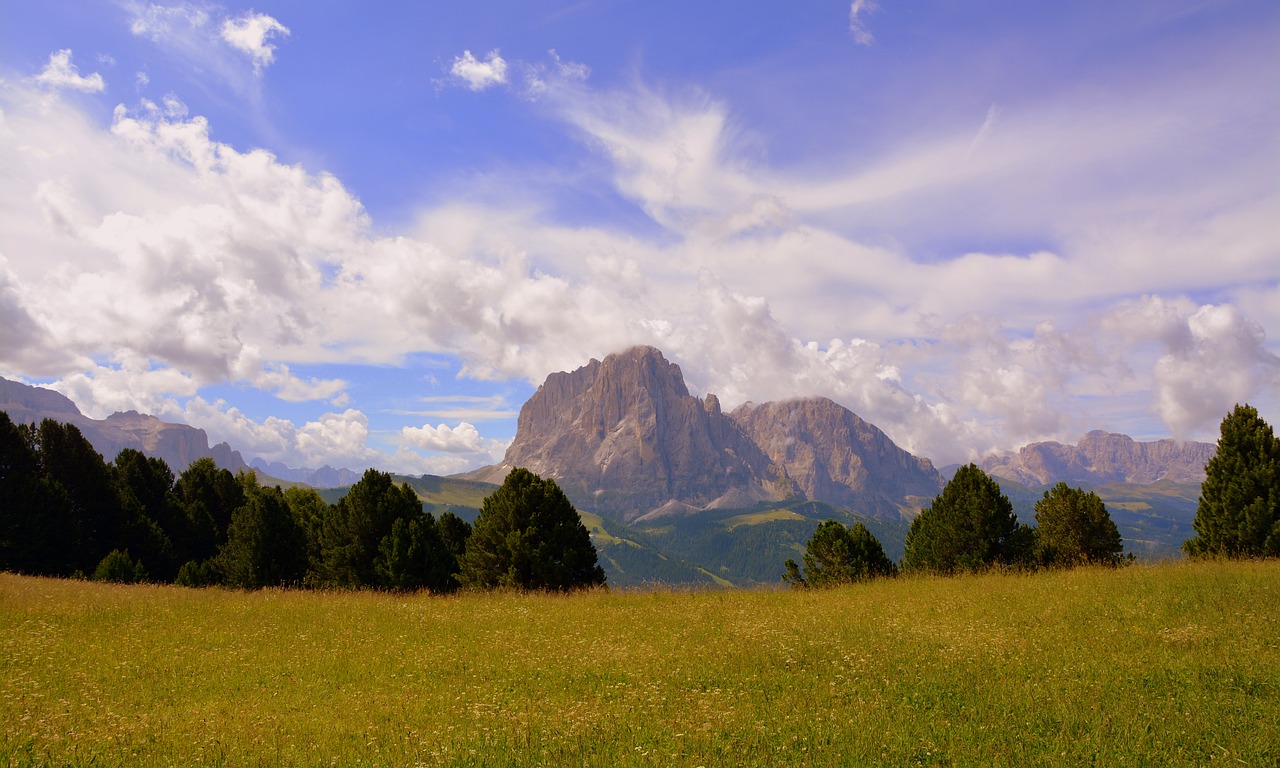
{"x": 624, "y": 437}
{"x": 1102, "y": 458}
{"x": 177, "y": 444}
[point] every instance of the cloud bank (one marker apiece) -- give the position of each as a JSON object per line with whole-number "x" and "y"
{"x": 144, "y": 261}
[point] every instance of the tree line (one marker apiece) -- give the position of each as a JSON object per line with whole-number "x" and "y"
{"x": 65, "y": 511}
{"x": 971, "y": 525}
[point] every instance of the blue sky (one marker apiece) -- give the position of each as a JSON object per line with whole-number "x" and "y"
{"x": 361, "y": 234}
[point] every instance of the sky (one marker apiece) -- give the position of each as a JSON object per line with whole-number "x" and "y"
{"x": 361, "y": 234}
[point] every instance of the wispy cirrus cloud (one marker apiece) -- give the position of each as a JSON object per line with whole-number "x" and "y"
{"x": 160, "y": 260}
{"x": 858, "y": 11}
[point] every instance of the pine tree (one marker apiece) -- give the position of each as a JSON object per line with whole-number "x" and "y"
{"x": 265, "y": 547}
{"x": 94, "y": 523}
{"x": 1075, "y": 528}
{"x": 209, "y": 496}
{"x": 353, "y": 533}
{"x": 839, "y": 555}
{"x": 529, "y": 536}
{"x": 414, "y": 556}
{"x": 1239, "y": 510}
{"x": 968, "y": 527}
{"x": 35, "y": 511}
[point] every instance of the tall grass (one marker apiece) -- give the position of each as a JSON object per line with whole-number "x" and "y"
{"x": 1176, "y": 664}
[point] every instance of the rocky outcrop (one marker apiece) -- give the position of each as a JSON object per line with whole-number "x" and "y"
{"x": 820, "y": 450}
{"x": 624, "y": 437}
{"x": 177, "y": 444}
{"x": 1101, "y": 458}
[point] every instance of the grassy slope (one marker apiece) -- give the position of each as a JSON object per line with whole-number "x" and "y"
{"x": 744, "y": 547}
{"x": 1163, "y": 665}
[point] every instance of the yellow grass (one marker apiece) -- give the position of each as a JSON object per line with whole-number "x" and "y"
{"x": 1177, "y": 664}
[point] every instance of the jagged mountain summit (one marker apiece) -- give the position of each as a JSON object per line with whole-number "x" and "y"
{"x": 1101, "y": 458}
{"x": 177, "y": 444}
{"x": 624, "y": 437}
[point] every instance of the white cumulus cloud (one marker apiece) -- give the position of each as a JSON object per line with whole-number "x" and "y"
{"x": 60, "y": 72}
{"x": 464, "y": 438}
{"x": 477, "y": 74}
{"x": 251, "y": 33}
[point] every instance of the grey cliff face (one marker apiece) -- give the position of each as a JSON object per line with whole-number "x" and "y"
{"x": 826, "y": 452}
{"x": 624, "y": 437}
{"x": 1103, "y": 457}
{"x": 177, "y": 444}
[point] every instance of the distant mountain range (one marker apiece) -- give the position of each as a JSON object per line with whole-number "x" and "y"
{"x": 676, "y": 490}
{"x": 1101, "y": 458}
{"x": 324, "y": 477}
{"x": 177, "y": 444}
{"x": 623, "y": 437}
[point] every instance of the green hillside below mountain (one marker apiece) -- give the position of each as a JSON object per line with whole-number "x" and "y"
{"x": 747, "y": 546}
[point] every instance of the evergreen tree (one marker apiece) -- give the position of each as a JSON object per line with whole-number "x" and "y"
{"x": 208, "y": 495}
{"x": 153, "y": 524}
{"x": 94, "y": 521}
{"x": 968, "y": 527}
{"x": 1239, "y": 510}
{"x": 353, "y": 532}
{"x": 839, "y": 555}
{"x": 529, "y": 536}
{"x": 1074, "y": 528}
{"x": 454, "y": 532}
{"x": 413, "y": 556}
{"x": 35, "y": 512}
{"x": 310, "y": 512}
{"x": 118, "y": 567}
{"x": 265, "y": 547}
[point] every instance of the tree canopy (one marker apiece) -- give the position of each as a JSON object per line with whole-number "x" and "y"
{"x": 64, "y": 511}
{"x": 839, "y": 555}
{"x": 1239, "y": 510}
{"x": 1074, "y": 527}
{"x": 529, "y": 536}
{"x": 378, "y": 535}
{"x": 968, "y": 527}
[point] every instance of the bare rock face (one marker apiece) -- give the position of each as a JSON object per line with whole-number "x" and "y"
{"x": 177, "y": 444}
{"x": 1101, "y": 458}
{"x": 818, "y": 449}
{"x": 625, "y": 437}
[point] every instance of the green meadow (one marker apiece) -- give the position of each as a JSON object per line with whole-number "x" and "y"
{"x": 1171, "y": 664}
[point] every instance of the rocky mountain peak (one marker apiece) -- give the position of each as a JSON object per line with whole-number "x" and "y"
{"x": 624, "y": 436}
{"x": 818, "y": 449}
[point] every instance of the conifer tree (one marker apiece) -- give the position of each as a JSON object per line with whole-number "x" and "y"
{"x": 1074, "y": 528}
{"x": 529, "y": 536}
{"x": 1239, "y": 510}
{"x": 839, "y": 555}
{"x": 968, "y": 527}
{"x": 352, "y": 537}
{"x": 265, "y": 546}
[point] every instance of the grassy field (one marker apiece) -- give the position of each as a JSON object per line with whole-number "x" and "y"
{"x": 1176, "y": 664}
